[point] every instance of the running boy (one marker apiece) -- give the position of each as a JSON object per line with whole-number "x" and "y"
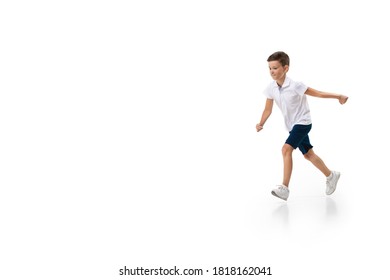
{"x": 290, "y": 96}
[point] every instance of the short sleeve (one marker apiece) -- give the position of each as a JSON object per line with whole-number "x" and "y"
{"x": 300, "y": 88}
{"x": 268, "y": 93}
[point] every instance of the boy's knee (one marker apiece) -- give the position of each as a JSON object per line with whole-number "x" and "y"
{"x": 309, "y": 155}
{"x": 287, "y": 149}
{"x": 306, "y": 156}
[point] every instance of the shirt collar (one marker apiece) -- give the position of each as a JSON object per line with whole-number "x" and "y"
{"x": 286, "y": 83}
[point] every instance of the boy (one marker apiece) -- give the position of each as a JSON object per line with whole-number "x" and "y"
{"x": 290, "y": 96}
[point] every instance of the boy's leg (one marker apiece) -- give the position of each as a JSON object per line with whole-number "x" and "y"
{"x": 297, "y": 135}
{"x": 282, "y": 191}
{"x": 317, "y": 162}
{"x": 332, "y": 177}
{"x": 287, "y": 163}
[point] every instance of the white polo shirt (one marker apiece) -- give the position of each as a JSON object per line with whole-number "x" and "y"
{"x": 291, "y": 100}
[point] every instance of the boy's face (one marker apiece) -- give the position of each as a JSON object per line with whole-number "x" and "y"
{"x": 276, "y": 70}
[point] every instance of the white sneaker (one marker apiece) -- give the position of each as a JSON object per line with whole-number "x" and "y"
{"x": 281, "y": 191}
{"x": 331, "y": 182}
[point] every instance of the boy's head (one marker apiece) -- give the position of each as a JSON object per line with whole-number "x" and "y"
{"x": 278, "y": 63}
{"x": 282, "y": 57}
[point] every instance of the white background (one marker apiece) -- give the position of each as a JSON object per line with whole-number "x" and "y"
{"x": 127, "y": 137}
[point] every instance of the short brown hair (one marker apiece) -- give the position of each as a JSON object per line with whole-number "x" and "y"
{"x": 282, "y": 57}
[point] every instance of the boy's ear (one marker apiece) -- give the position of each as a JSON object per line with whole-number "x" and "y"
{"x": 286, "y": 68}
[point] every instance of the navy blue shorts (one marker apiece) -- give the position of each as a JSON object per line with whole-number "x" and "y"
{"x": 299, "y": 138}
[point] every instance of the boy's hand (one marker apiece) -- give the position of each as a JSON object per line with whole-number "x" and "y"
{"x": 343, "y": 99}
{"x": 259, "y": 127}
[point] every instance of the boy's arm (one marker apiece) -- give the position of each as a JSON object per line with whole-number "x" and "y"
{"x": 266, "y": 113}
{"x": 316, "y": 93}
